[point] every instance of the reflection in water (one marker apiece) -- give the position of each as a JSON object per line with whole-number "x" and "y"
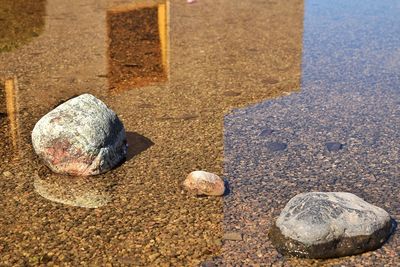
{"x": 10, "y": 131}
{"x": 138, "y": 40}
{"x": 87, "y": 192}
{"x": 11, "y": 91}
{"x": 20, "y": 21}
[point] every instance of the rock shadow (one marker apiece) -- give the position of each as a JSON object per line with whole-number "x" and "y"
{"x": 227, "y": 188}
{"x": 136, "y": 144}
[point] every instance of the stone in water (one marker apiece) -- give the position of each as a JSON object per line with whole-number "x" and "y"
{"x": 204, "y": 183}
{"x": 80, "y": 137}
{"x": 333, "y": 146}
{"x": 266, "y": 132}
{"x": 276, "y": 146}
{"x": 328, "y": 225}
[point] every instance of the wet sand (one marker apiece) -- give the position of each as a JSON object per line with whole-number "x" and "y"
{"x": 221, "y": 56}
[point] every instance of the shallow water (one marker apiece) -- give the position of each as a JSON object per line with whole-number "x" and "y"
{"x": 173, "y": 72}
{"x": 339, "y": 133}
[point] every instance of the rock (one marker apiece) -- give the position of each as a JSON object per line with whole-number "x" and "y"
{"x": 80, "y": 137}
{"x": 333, "y": 146}
{"x": 328, "y": 225}
{"x": 204, "y": 183}
{"x": 208, "y": 263}
{"x": 276, "y": 146}
{"x": 266, "y": 132}
{"x": 7, "y": 174}
{"x": 154, "y": 256}
{"x": 235, "y": 236}
{"x": 231, "y": 93}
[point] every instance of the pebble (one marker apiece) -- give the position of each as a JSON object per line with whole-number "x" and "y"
{"x": 234, "y": 236}
{"x": 333, "y": 146}
{"x": 208, "y": 263}
{"x": 266, "y": 132}
{"x": 154, "y": 256}
{"x": 82, "y": 136}
{"x": 329, "y": 225}
{"x": 204, "y": 183}
{"x": 231, "y": 93}
{"x": 7, "y": 174}
{"x": 276, "y": 146}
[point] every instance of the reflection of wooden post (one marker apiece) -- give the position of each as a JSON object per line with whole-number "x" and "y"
{"x": 163, "y": 32}
{"x": 11, "y": 95}
{"x": 138, "y": 44}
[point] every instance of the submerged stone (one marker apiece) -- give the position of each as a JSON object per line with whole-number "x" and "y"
{"x": 234, "y": 236}
{"x": 80, "y": 137}
{"x": 276, "y": 146}
{"x": 333, "y": 146}
{"x": 328, "y": 225}
{"x": 204, "y": 183}
{"x": 266, "y": 132}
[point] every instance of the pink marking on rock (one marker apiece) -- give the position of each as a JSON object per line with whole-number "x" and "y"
{"x": 64, "y": 158}
{"x": 58, "y": 151}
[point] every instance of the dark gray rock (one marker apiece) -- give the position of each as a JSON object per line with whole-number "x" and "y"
{"x": 327, "y": 225}
{"x": 333, "y": 146}
{"x": 80, "y": 137}
{"x": 276, "y": 146}
{"x": 266, "y": 132}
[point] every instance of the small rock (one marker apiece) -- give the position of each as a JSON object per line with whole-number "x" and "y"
{"x": 266, "y": 132}
{"x": 82, "y": 136}
{"x": 235, "y": 236}
{"x": 154, "y": 256}
{"x": 7, "y": 174}
{"x": 333, "y": 146}
{"x": 208, "y": 263}
{"x": 231, "y": 93}
{"x": 276, "y": 146}
{"x": 328, "y": 225}
{"x": 204, "y": 183}
{"x": 270, "y": 80}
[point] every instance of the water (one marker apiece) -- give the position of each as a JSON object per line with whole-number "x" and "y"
{"x": 172, "y": 72}
{"x": 341, "y": 130}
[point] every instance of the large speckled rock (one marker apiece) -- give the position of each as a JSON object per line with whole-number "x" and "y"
{"x": 331, "y": 224}
{"x": 80, "y": 137}
{"x": 204, "y": 183}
